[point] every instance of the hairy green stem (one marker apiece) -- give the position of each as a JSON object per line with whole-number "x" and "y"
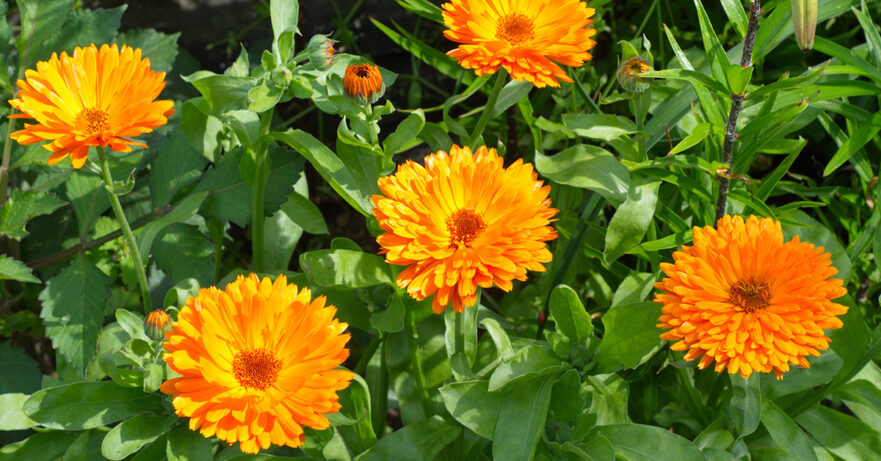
{"x": 488, "y": 109}
{"x": 257, "y": 212}
{"x": 126, "y": 231}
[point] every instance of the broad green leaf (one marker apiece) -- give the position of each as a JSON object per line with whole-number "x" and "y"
{"x": 181, "y": 212}
{"x": 186, "y": 445}
{"x": 863, "y": 399}
{"x": 82, "y": 28}
{"x": 160, "y": 48}
{"x": 638, "y": 442}
{"x": 201, "y": 127}
{"x": 154, "y": 450}
{"x": 634, "y": 288}
{"x": 284, "y": 15}
{"x": 280, "y": 237}
{"x": 566, "y": 400}
{"x": 132, "y": 434}
{"x": 11, "y": 416}
{"x": 13, "y": 269}
{"x": 865, "y": 133}
{"x": 131, "y": 323}
{"x": 391, "y": 319}
{"x": 408, "y": 129}
{"x": 569, "y": 314}
{"x": 529, "y": 362}
{"x": 176, "y": 165}
{"x": 745, "y": 407}
{"x": 346, "y": 268}
{"x": 816, "y": 233}
{"x": 599, "y": 126}
{"x": 851, "y": 341}
{"x": 40, "y": 446}
{"x": 522, "y": 419}
{"x": 329, "y": 166}
{"x": 39, "y": 19}
{"x": 305, "y": 214}
{"x": 436, "y": 60}
{"x": 697, "y": 134}
{"x": 474, "y": 406}
{"x": 73, "y": 310}
{"x": 181, "y": 251}
{"x": 420, "y": 441}
{"x": 88, "y": 198}
{"x": 845, "y": 436}
{"x": 21, "y": 207}
{"x": 630, "y": 338}
{"x": 85, "y": 405}
{"x": 355, "y": 401}
{"x": 631, "y": 220}
{"x": 671, "y": 241}
{"x": 222, "y": 92}
{"x": 785, "y": 432}
{"x": 587, "y": 167}
{"x": 511, "y": 94}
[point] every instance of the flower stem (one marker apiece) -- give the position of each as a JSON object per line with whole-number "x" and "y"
{"x": 257, "y": 211}
{"x": 126, "y": 231}
{"x": 460, "y": 331}
{"x": 4, "y": 166}
{"x": 488, "y": 109}
{"x": 415, "y": 361}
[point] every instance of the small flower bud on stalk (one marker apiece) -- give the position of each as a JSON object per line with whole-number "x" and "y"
{"x": 804, "y": 21}
{"x": 156, "y": 323}
{"x": 628, "y": 75}
{"x": 321, "y": 52}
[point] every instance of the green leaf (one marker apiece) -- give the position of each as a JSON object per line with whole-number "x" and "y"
{"x": 569, "y": 314}
{"x": 302, "y": 211}
{"x": 697, "y": 134}
{"x": 21, "y": 207}
{"x": 420, "y": 441}
{"x": 423, "y": 8}
{"x": 634, "y": 288}
{"x": 355, "y": 401}
{"x": 873, "y": 38}
{"x": 843, "y": 435}
{"x": 859, "y": 138}
{"x": 346, "y": 268}
{"x": 181, "y": 212}
{"x": 284, "y": 15}
{"x": 631, "y": 336}
{"x": 39, "y": 19}
{"x": 599, "y": 126}
{"x": 176, "y": 165}
{"x": 816, "y": 233}
{"x": 73, "y": 310}
{"x": 280, "y": 237}
{"x": 390, "y": 319}
{"x": 159, "y": 47}
{"x": 716, "y": 54}
{"x": 587, "y": 167}
{"x": 631, "y": 220}
{"x": 222, "y": 92}
{"x": 201, "y": 127}
{"x": 13, "y": 269}
{"x": 131, "y": 323}
{"x": 473, "y": 406}
{"x": 11, "y": 416}
{"x": 406, "y": 131}
{"x": 181, "y": 251}
{"x": 187, "y": 445}
{"x": 511, "y": 94}
{"x": 89, "y": 404}
{"x": 638, "y": 442}
{"x": 529, "y": 362}
{"x": 566, "y": 400}
{"x": 82, "y": 28}
{"x": 39, "y": 447}
{"x": 699, "y": 80}
{"x": 785, "y": 432}
{"x": 89, "y": 200}
{"x": 522, "y": 419}
{"x": 132, "y": 434}
{"x": 436, "y": 60}
{"x": 154, "y": 450}
{"x": 772, "y": 179}
{"x": 745, "y": 407}
{"x": 328, "y": 165}
{"x": 737, "y": 16}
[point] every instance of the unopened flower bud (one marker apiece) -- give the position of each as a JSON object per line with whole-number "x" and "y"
{"x": 156, "y": 323}
{"x": 628, "y": 75}
{"x": 321, "y": 52}
{"x": 363, "y": 83}
{"x": 804, "y": 22}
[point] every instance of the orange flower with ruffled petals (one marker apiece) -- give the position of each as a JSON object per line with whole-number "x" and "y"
{"x": 362, "y": 82}
{"x": 526, "y": 37}
{"x": 257, "y": 361}
{"x": 743, "y": 298}
{"x": 463, "y": 221}
{"x": 92, "y": 98}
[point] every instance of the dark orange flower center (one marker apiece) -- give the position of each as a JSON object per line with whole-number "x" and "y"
{"x": 363, "y": 72}
{"x": 750, "y": 295}
{"x": 464, "y": 226}
{"x": 515, "y": 28}
{"x": 92, "y": 121}
{"x": 257, "y": 369}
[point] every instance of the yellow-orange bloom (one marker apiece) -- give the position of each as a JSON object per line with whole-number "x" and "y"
{"x": 93, "y": 98}
{"x": 749, "y": 301}
{"x": 257, "y": 361}
{"x": 362, "y": 82}
{"x": 463, "y": 221}
{"x": 526, "y": 37}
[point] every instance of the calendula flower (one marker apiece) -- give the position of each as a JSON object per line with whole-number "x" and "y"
{"x": 156, "y": 323}
{"x": 744, "y": 298}
{"x": 92, "y": 98}
{"x": 321, "y": 52}
{"x": 628, "y": 75}
{"x": 257, "y": 361}
{"x": 463, "y": 221}
{"x": 526, "y": 37}
{"x": 363, "y": 83}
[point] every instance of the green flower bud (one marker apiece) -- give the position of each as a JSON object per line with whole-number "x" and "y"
{"x": 321, "y": 52}
{"x": 804, "y": 21}
{"x": 628, "y": 75}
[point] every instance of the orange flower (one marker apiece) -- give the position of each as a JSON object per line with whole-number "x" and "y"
{"x": 462, "y": 221}
{"x": 526, "y": 37}
{"x": 156, "y": 323}
{"x": 362, "y": 82}
{"x": 93, "y": 98}
{"x": 258, "y": 362}
{"x": 749, "y": 301}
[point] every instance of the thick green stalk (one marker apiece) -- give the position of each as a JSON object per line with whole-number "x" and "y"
{"x": 4, "y": 166}
{"x": 257, "y": 212}
{"x": 126, "y": 231}
{"x": 415, "y": 361}
{"x": 488, "y": 109}
{"x": 460, "y": 331}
